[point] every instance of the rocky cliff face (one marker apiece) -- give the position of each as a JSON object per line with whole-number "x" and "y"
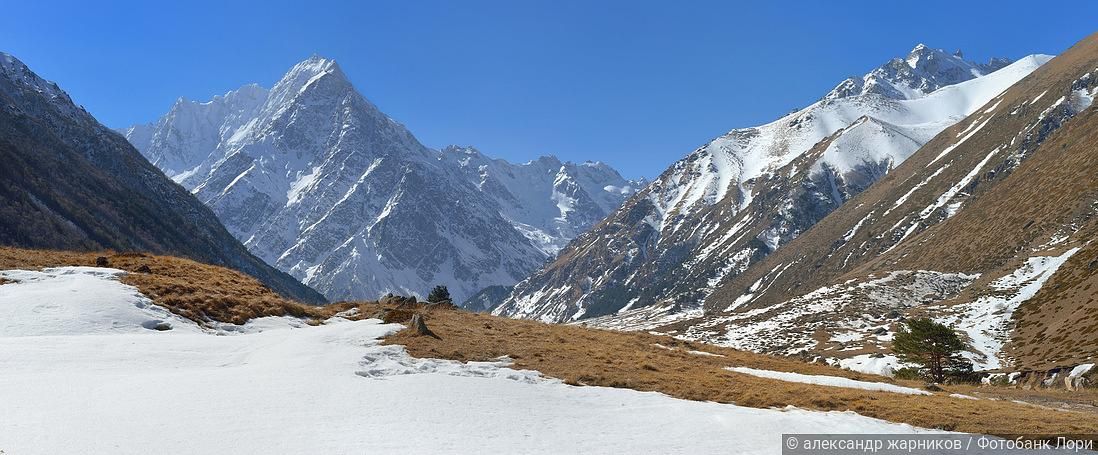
{"x": 739, "y": 198}
{"x": 314, "y": 178}
{"x": 68, "y": 182}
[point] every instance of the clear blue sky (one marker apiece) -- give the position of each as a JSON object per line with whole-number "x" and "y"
{"x": 636, "y": 84}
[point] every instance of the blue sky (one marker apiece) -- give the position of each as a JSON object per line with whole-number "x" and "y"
{"x": 636, "y": 84}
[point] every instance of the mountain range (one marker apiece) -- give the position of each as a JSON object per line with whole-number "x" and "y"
{"x": 987, "y": 228}
{"x": 316, "y": 180}
{"x": 929, "y": 186}
{"x": 730, "y": 203}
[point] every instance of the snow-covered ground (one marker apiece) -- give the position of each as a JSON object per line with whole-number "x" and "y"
{"x": 868, "y": 363}
{"x": 77, "y": 301}
{"x": 80, "y": 370}
{"x": 830, "y": 381}
{"x": 111, "y": 385}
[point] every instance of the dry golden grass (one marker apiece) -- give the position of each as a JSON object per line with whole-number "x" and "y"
{"x": 196, "y": 291}
{"x": 584, "y": 356}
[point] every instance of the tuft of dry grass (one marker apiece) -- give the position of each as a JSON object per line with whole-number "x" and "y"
{"x": 645, "y": 362}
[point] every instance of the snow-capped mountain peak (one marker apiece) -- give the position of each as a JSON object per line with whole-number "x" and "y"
{"x": 921, "y": 72}
{"x": 191, "y": 130}
{"x": 315, "y": 73}
{"x": 315, "y": 179}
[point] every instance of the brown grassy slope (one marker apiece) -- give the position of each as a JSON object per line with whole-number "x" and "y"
{"x": 1059, "y": 326}
{"x": 585, "y": 356}
{"x": 1056, "y": 187}
{"x": 193, "y": 290}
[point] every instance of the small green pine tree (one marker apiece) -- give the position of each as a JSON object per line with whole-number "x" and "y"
{"x": 439, "y": 295}
{"x": 934, "y": 347}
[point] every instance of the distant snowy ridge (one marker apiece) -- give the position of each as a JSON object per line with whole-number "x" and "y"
{"x": 550, "y": 201}
{"x": 316, "y": 180}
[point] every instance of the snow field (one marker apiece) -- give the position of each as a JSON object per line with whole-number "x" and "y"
{"x": 275, "y": 386}
{"x": 830, "y": 381}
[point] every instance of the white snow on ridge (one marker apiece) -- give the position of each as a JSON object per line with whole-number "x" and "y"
{"x": 830, "y": 381}
{"x": 899, "y": 127}
{"x": 326, "y": 389}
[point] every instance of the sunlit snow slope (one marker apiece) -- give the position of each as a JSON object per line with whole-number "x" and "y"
{"x": 101, "y": 383}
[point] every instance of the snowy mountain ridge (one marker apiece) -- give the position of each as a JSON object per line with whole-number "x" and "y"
{"x": 18, "y": 73}
{"x": 740, "y": 197}
{"x": 924, "y": 70}
{"x": 888, "y": 94}
{"x": 315, "y": 179}
{"x": 548, "y": 200}
{"x": 988, "y": 228}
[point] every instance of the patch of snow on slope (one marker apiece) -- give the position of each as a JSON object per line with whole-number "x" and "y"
{"x": 300, "y": 185}
{"x": 956, "y": 188}
{"x": 987, "y": 320}
{"x": 705, "y": 354}
{"x": 846, "y": 337}
{"x": 1075, "y": 376}
{"x": 1038, "y": 97}
{"x": 830, "y": 381}
{"x": 867, "y": 363}
{"x": 913, "y": 189}
{"x": 78, "y": 301}
{"x": 1082, "y": 99}
{"x": 953, "y": 146}
{"x": 854, "y": 230}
